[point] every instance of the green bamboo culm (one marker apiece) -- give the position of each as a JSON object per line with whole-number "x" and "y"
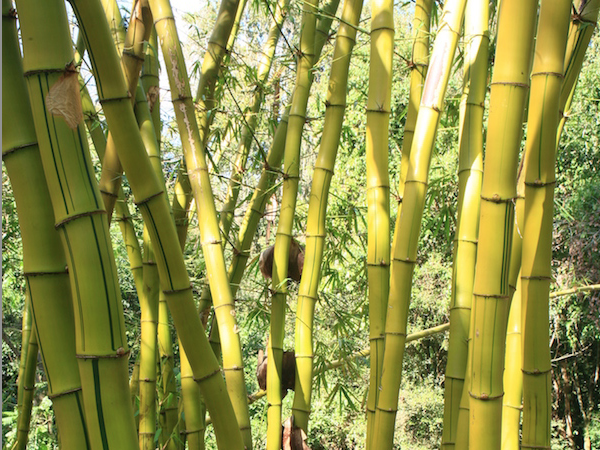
{"x": 291, "y": 177}
{"x": 153, "y": 204}
{"x": 26, "y": 324}
{"x": 101, "y": 345}
{"x": 491, "y": 290}
{"x": 408, "y": 223}
{"x": 27, "y": 383}
{"x": 470, "y": 174}
{"x": 44, "y": 262}
{"x": 316, "y": 228}
{"x": 540, "y": 160}
{"x": 418, "y": 70}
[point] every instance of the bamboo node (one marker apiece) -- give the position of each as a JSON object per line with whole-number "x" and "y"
{"x": 18, "y": 147}
{"x": 120, "y": 353}
{"x": 147, "y": 199}
{"x": 63, "y": 393}
{"x": 535, "y": 371}
{"x": 485, "y": 396}
{"x": 78, "y": 216}
{"x": 176, "y": 291}
{"x": 550, "y": 74}
{"x": 540, "y": 183}
{"x": 387, "y": 410}
{"x": 207, "y": 376}
{"x": 108, "y": 193}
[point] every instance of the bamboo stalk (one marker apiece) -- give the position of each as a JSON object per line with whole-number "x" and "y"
{"x": 408, "y": 223}
{"x": 28, "y": 387}
{"x": 315, "y": 233}
{"x": 491, "y": 292}
{"x": 155, "y": 209}
{"x": 291, "y": 175}
{"x": 418, "y": 70}
{"x": 540, "y": 159}
{"x": 470, "y": 174}
{"x": 48, "y": 292}
{"x": 194, "y": 154}
{"x": 101, "y": 344}
{"x": 250, "y": 119}
{"x": 132, "y": 58}
{"x": 378, "y": 192}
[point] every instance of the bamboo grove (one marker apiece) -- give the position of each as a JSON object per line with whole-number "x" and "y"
{"x": 100, "y": 125}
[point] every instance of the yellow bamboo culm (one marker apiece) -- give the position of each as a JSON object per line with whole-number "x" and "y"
{"x": 408, "y": 223}
{"x": 323, "y": 172}
{"x": 491, "y": 291}
{"x": 470, "y": 173}
{"x": 378, "y": 190}
{"x": 540, "y": 159}
{"x": 291, "y": 176}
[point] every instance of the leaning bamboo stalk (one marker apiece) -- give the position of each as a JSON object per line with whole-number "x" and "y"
{"x": 584, "y": 21}
{"x": 418, "y": 70}
{"x": 283, "y": 239}
{"x": 132, "y": 58}
{"x": 408, "y": 223}
{"x": 315, "y": 233}
{"x": 250, "y": 119}
{"x": 101, "y": 344}
{"x": 491, "y": 292}
{"x": 378, "y": 192}
{"x": 206, "y": 101}
{"x": 155, "y": 210}
{"x": 26, "y": 324}
{"x": 536, "y": 273}
{"x": 470, "y": 174}
{"x": 195, "y": 157}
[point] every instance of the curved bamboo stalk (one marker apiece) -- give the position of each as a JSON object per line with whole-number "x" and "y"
{"x": 194, "y": 153}
{"x": 540, "y": 159}
{"x": 291, "y": 177}
{"x": 470, "y": 174}
{"x": 315, "y": 233}
{"x": 408, "y": 224}
{"x": 155, "y": 209}
{"x": 378, "y": 192}
{"x": 491, "y": 292}
{"x": 48, "y": 293}
{"x": 101, "y": 344}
